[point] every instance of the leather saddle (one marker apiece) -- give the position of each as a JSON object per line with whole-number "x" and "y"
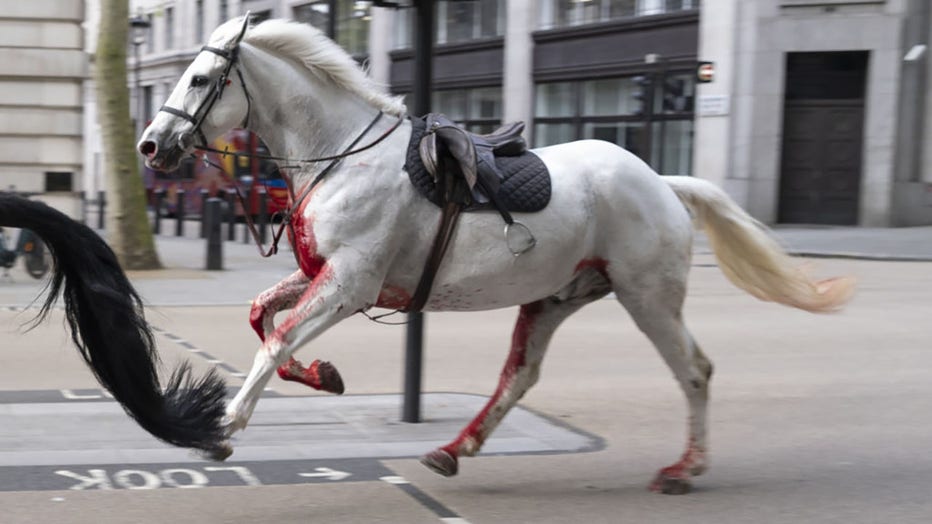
{"x": 454, "y": 156}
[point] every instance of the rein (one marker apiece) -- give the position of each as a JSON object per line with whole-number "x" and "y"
{"x": 296, "y": 201}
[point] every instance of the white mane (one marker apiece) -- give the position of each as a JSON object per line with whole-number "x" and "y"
{"x": 309, "y": 46}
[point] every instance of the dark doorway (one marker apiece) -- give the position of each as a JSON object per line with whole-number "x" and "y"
{"x": 823, "y": 129}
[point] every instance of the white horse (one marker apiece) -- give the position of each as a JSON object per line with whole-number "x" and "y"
{"x": 362, "y": 234}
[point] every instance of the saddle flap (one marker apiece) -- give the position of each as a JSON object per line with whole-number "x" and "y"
{"x": 427, "y": 148}
{"x": 457, "y": 143}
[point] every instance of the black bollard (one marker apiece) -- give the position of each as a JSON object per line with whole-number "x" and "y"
{"x": 213, "y": 217}
{"x": 263, "y": 219}
{"x": 204, "y": 197}
{"x": 159, "y": 197}
{"x": 231, "y": 215}
{"x": 179, "y": 213}
{"x": 101, "y": 206}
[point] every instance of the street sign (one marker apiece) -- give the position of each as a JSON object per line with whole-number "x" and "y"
{"x": 705, "y": 72}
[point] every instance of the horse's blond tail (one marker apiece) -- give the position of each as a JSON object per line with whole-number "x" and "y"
{"x": 750, "y": 257}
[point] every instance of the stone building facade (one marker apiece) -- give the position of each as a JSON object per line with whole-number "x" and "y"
{"x": 42, "y": 68}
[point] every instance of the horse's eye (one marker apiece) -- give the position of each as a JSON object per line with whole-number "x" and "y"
{"x": 199, "y": 81}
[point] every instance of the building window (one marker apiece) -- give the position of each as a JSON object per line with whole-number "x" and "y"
{"x": 58, "y": 181}
{"x": 169, "y": 28}
{"x": 647, "y": 116}
{"x": 316, "y": 14}
{"x": 456, "y": 22}
{"x": 567, "y": 13}
{"x": 350, "y": 28}
{"x": 479, "y": 109}
{"x": 465, "y": 21}
{"x": 150, "y": 35}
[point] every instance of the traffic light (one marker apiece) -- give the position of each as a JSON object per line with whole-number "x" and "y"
{"x": 675, "y": 99}
{"x": 641, "y": 94}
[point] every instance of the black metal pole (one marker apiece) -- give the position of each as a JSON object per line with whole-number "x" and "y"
{"x": 262, "y": 220}
{"x": 101, "y": 208}
{"x": 179, "y": 213}
{"x": 159, "y": 197}
{"x": 204, "y": 195}
{"x": 423, "y": 71}
{"x": 213, "y": 217}
{"x": 231, "y": 215}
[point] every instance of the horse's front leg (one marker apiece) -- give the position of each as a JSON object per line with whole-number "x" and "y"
{"x": 337, "y": 292}
{"x": 319, "y": 375}
{"x": 280, "y": 297}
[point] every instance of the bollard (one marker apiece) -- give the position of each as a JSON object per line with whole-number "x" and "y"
{"x": 204, "y": 197}
{"x": 159, "y": 197}
{"x": 246, "y": 217}
{"x": 179, "y": 213}
{"x": 213, "y": 218}
{"x": 101, "y": 206}
{"x": 231, "y": 215}
{"x": 263, "y": 219}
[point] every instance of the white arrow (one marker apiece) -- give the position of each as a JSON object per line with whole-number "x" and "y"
{"x": 327, "y": 473}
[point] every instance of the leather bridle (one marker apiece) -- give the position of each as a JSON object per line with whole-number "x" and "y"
{"x": 216, "y": 93}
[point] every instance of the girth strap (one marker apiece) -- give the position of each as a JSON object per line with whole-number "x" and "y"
{"x": 448, "y": 219}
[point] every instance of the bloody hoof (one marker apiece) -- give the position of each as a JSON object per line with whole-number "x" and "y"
{"x": 441, "y": 461}
{"x": 328, "y": 377}
{"x": 319, "y": 375}
{"x": 669, "y": 485}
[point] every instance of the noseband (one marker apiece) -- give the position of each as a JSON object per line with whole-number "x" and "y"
{"x": 197, "y": 119}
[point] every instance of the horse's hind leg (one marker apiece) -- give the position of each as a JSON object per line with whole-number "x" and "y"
{"x": 657, "y": 312}
{"x": 536, "y": 323}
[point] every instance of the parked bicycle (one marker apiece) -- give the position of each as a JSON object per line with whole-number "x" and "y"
{"x": 35, "y": 255}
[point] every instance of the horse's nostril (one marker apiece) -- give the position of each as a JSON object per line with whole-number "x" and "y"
{"x": 148, "y": 148}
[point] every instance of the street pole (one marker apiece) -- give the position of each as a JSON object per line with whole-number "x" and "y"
{"x": 139, "y": 26}
{"x": 414, "y": 337}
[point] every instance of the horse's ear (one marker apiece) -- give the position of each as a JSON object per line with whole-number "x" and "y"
{"x": 242, "y": 31}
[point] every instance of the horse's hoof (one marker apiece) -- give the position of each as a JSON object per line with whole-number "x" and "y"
{"x": 670, "y": 485}
{"x": 328, "y": 376}
{"x": 218, "y": 453}
{"x": 441, "y": 461}
{"x": 320, "y": 375}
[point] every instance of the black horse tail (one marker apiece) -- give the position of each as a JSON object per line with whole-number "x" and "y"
{"x": 107, "y": 325}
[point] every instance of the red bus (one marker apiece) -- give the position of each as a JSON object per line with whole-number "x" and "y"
{"x": 193, "y": 175}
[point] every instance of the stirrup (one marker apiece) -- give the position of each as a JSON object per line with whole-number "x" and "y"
{"x": 519, "y": 240}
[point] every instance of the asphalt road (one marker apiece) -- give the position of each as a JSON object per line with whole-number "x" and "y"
{"x": 813, "y": 419}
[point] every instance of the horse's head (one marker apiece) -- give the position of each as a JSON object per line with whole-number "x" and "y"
{"x": 209, "y": 99}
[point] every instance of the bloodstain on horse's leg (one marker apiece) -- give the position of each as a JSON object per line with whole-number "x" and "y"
{"x": 319, "y": 375}
{"x": 444, "y": 460}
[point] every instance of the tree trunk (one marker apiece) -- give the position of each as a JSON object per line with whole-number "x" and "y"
{"x": 128, "y": 229}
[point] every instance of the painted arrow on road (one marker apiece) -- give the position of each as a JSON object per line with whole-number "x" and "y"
{"x": 327, "y": 473}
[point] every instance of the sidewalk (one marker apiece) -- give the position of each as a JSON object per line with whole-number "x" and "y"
{"x": 904, "y": 244}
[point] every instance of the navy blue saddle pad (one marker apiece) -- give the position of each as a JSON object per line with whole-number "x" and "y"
{"x": 525, "y": 184}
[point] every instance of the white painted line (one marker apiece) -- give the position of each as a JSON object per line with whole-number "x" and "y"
{"x": 454, "y": 520}
{"x": 392, "y": 479}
